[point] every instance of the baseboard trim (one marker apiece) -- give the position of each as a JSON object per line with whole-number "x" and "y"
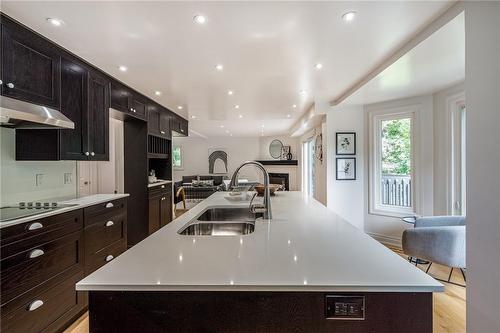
{"x": 393, "y": 241}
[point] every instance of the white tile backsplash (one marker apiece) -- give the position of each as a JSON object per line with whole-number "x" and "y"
{"x": 18, "y": 181}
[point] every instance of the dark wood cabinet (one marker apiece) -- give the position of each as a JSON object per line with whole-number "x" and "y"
{"x": 158, "y": 121}
{"x": 98, "y": 116}
{"x": 85, "y": 100}
{"x": 74, "y": 105}
{"x": 31, "y": 66}
{"x": 179, "y": 125}
{"x": 160, "y": 207}
{"x": 43, "y": 259}
{"x": 126, "y": 100}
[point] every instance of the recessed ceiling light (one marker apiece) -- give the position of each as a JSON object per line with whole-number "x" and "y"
{"x": 288, "y": 116}
{"x": 55, "y": 22}
{"x": 193, "y": 117}
{"x": 236, "y": 106}
{"x": 294, "y": 106}
{"x": 219, "y": 67}
{"x": 230, "y": 92}
{"x": 318, "y": 65}
{"x": 200, "y": 19}
{"x": 123, "y": 68}
{"x": 349, "y": 16}
{"x": 180, "y": 107}
{"x": 221, "y": 126}
{"x": 240, "y": 116}
{"x": 157, "y": 93}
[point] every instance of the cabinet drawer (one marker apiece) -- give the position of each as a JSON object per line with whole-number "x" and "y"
{"x": 97, "y": 260}
{"x": 27, "y": 269}
{"x": 107, "y": 209}
{"x": 23, "y": 236}
{"x": 51, "y": 308}
{"x": 105, "y": 231}
{"x": 159, "y": 190}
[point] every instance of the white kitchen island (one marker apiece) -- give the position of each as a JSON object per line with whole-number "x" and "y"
{"x": 292, "y": 270}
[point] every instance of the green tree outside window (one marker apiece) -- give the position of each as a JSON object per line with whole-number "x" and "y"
{"x": 396, "y": 147}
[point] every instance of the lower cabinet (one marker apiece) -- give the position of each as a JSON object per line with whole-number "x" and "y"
{"x": 42, "y": 260}
{"x": 160, "y": 207}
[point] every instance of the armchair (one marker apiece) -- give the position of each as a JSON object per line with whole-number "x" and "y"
{"x": 438, "y": 239}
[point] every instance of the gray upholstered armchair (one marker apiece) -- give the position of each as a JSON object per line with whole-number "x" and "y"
{"x": 438, "y": 239}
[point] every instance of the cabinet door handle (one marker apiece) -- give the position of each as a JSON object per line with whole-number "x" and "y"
{"x": 109, "y": 205}
{"x": 109, "y": 223}
{"x": 163, "y": 186}
{"x": 10, "y": 85}
{"x": 1, "y": 82}
{"x": 36, "y": 253}
{"x": 162, "y": 132}
{"x": 34, "y": 226}
{"x": 163, "y": 198}
{"x": 182, "y": 130}
{"x": 92, "y": 153}
{"x": 87, "y": 153}
{"x": 109, "y": 257}
{"x": 35, "y": 305}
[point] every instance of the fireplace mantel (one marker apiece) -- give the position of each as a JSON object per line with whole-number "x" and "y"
{"x": 278, "y": 162}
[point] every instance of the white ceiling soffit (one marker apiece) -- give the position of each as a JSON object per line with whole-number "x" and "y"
{"x": 434, "y": 64}
{"x": 268, "y": 50}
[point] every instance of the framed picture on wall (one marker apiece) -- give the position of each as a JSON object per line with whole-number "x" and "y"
{"x": 346, "y": 168}
{"x": 346, "y": 143}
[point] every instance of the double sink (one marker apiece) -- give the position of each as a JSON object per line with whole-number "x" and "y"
{"x": 222, "y": 222}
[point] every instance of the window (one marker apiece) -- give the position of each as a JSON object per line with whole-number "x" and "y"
{"x": 177, "y": 157}
{"x": 457, "y": 159}
{"x": 391, "y": 164}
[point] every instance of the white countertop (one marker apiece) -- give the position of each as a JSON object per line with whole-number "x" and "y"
{"x": 76, "y": 203}
{"x": 160, "y": 182}
{"x": 306, "y": 247}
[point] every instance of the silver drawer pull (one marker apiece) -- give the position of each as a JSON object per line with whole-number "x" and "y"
{"x": 109, "y": 205}
{"x": 36, "y": 253}
{"x": 163, "y": 186}
{"x": 163, "y": 198}
{"x": 34, "y": 226}
{"x": 109, "y": 223}
{"x": 35, "y": 305}
{"x": 109, "y": 257}
{"x": 162, "y": 132}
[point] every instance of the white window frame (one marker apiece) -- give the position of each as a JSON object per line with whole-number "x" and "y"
{"x": 181, "y": 167}
{"x": 455, "y": 191}
{"x": 375, "y": 121}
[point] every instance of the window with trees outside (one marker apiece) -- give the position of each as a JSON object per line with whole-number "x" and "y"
{"x": 392, "y": 164}
{"x": 177, "y": 157}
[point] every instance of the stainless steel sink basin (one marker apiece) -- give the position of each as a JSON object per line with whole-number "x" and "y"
{"x": 222, "y": 222}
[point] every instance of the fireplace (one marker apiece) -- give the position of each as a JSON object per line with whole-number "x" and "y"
{"x": 280, "y": 179}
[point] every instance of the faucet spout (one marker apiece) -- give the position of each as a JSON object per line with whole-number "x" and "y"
{"x": 267, "y": 194}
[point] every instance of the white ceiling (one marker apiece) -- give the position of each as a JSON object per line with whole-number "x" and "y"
{"x": 434, "y": 64}
{"x": 268, "y": 50}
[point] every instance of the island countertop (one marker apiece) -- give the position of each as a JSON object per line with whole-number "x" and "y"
{"x": 306, "y": 247}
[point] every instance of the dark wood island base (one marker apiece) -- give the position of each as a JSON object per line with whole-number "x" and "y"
{"x": 274, "y": 312}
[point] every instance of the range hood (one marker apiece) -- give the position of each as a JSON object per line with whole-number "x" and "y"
{"x": 19, "y": 114}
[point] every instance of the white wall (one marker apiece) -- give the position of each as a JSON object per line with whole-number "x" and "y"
{"x": 17, "y": 178}
{"x": 346, "y": 197}
{"x": 482, "y": 50}
{"x": 287, "y": 140}
{"x": 195, "y": 155}
{"x": 389, "y": 229}
{"x": 442, "y": 147}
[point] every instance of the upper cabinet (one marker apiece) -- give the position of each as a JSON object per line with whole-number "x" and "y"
{"x": 179, "y": 125}
{"x": 31, "y": 66}
{"x": 126, "y": 100}
{"x": 84, "y": 100}
{"x": 158, "y": 121}
{"x": 98, "y": 116}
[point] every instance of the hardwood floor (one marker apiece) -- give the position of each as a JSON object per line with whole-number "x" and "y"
{"x": 449, "y": 307}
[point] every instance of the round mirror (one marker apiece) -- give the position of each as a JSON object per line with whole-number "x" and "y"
{"x": 275, "y": 149}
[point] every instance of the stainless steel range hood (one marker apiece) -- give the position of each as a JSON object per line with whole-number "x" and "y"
{"x": 19, "y": 114}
